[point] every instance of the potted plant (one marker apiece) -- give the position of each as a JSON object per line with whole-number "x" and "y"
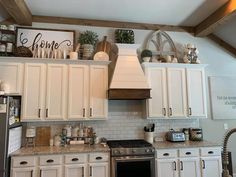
{"x": 146, "y": 55}
{"x": 88, "y": 40}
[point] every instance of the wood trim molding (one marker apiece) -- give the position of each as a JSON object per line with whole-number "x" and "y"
{"x": 105, "y": 23}
{"x": 219, "y": 17}
{"x": 18, "y": 10}
{"x": 223, "y": 44}
{"x": 8, "y": 21}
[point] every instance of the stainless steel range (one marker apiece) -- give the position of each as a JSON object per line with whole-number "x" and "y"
{"x": 132, "y": 158}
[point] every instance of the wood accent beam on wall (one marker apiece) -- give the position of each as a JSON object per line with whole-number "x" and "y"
{"x": 219, "y": 17}
{"x": 223, "y": 44}
{"x": 114, "y": 24}
{"x": 8, "y": 21}
{"x": 18, "y": 10}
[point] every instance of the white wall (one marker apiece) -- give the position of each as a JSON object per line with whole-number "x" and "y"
{"x": 220, "y": 64}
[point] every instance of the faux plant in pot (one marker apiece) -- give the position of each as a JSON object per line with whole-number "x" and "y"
{"x": 146, "y": 55}
{"x": 88, "y": 40}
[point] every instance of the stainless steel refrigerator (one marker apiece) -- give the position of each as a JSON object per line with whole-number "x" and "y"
{"x": 10, "y": 130}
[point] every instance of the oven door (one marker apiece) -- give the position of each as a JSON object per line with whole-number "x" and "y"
{"x": 133, "y": 166}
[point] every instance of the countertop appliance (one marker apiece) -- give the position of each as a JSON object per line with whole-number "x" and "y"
{"x": 132, "y": 158}
{"x": 10, "y": 130}
{"x": 195, "y": 134}
{"x": 175, "y": 136}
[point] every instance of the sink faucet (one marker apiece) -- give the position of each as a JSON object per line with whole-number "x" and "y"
{"x": 225, "y": 153}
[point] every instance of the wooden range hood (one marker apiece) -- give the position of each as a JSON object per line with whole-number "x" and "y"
{"x": 126, "y": 78}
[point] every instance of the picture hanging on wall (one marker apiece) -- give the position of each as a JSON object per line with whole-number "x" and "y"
{"x": 46, "y": 40}
{"x": 223, "y": 97}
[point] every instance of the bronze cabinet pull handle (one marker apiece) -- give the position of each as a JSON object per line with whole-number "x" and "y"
{"x": 47, "y": 112}
{"x": 190, "y": 111}
{"x": 166, "y": 154}
{"x": 98, "y": 158}
{"x": 188, "y": 153}
{"x": 174, "y": 165}
{"x": 164, "y": 111}
{"x": 50, "y": 161}
{"x": 75, "y": 159}
{"x": 181, "y": 166}
{"x": 39, "y": 113}
{"x": 90, "y": 171}
{"x": 170, "y": 111}
{"x": 203, "y": 164}
{"x": 23, "y": 163}
{"x": 82, "y": 171}
{"x": 91, "y": 112}
{"x": 83, "y": 112}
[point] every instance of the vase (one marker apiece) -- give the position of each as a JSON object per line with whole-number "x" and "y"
{"x": 87, "y": 51}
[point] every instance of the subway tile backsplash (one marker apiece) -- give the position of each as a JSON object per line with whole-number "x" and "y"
{"x": 125, "y": 121}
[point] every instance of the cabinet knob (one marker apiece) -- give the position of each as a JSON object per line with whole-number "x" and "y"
{"x": 166, "y": 154}
{"x": 99, "y": 158}
{"x": 190, "y": 111}
{"x": 75, "y": 159}
{"x": 170, "y": 111}
{"x": 91, "y": 112}
{"x": 23, "y": 163}
{"x": 50, "y": 161}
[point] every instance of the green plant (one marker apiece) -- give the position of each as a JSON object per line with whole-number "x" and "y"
{"x": 124, "y": 36}
{"x": 88, "y": 37}
{"x": 146, "y": 53}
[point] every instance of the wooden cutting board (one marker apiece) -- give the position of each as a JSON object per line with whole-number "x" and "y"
{"x": 43, "y": 135}
{"x": 103, "y": 46}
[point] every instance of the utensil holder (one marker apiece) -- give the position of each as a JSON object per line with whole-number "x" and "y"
{"x": 148, "y": 137}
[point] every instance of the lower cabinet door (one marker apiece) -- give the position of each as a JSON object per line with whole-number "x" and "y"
{"x": 98, "y": 170}
{"x": 50, "y": 171}
{"x": 189, "y": 167}
{"x": 77, "y": 170}
{"x": 211, "y": 166}
{"x": 166, "y": 168}
{"x": 23, "y": 172}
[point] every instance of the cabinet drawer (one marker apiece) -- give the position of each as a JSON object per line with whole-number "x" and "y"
{"x": 50, "y": 160}
{"x": 212, "y": 151}
{"x": 167, "y": 153}
{"x": 189, "y": 152}
{"x": 98, "y": 157}
{"x": 24, "y": 161}
{"x": 75, "y": 158}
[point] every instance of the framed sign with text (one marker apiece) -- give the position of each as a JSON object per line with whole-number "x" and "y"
{"x": 223, "y": 97}
{"x": 50, "y": 39}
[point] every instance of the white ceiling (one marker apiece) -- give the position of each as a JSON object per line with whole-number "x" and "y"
{"x": 169, "y": 12}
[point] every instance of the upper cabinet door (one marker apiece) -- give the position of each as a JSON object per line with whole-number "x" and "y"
{"x": 34, "y": 91}
{"x": 98, "y": 92}
{"x": 56, "y": 91}
{"x": 78, "y": 91}
{"x": 177, "y": 96}
{"x": 12, "y": 75}
{"x": 157, "y": 105}
{"x": 196, "y": 93}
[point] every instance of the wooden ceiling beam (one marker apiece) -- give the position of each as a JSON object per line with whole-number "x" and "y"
{"x": 18, "y": 10}
{"x": 219, "y": 17}
{"x": 105, "y": 23}
{"x": 223, "y": 44}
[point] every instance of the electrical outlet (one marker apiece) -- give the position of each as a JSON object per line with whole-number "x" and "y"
{"x": 226, "y": 127}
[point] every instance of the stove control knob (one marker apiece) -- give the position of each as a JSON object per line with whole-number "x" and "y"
{"x": 133, "y": 151}
{"x": 147, "y": 150}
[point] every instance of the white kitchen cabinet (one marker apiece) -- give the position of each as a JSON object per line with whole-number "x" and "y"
{"x": 98, "y": 169}
{"x": 166, "y": 167}
{"x": 87, "y": 92}
{"x": 44, "y": 92}
{"x": 24, "y": 166}
{"x": 98, "y": 92}
{"x": 50, "y": 171}
{"x": 196, "y": 92}
{"x": 23, "y": 172}
{"x": 177, "y": 95}
{"x": 211, "y": 165}
{"x": 157, "y": 105}
{"x": 177, "y": 90}
{"x": 56, "y": 90}
{"x": 12, "y": 74}
{"x": 178, "y": 163}
{"x": 76, "y": 170}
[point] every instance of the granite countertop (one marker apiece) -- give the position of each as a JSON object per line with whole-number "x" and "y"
{"x": 47, "y": 150}
{"x": 186, "y": 144}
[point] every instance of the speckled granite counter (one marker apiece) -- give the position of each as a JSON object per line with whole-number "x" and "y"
{"x": 46, "y": 150}
{"x": 187, "y": 144}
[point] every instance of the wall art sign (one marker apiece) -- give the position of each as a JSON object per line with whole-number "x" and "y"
{"x": 223, "y": 97}
{"x": 51, "y": 39}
